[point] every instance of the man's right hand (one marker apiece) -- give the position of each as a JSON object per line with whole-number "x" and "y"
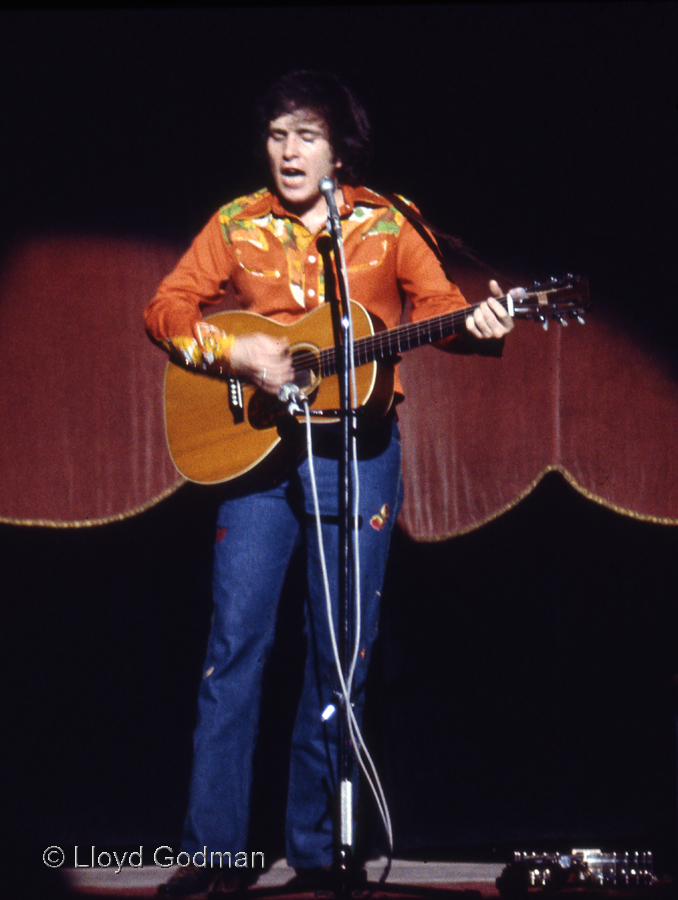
{"x": 262, "y": 360}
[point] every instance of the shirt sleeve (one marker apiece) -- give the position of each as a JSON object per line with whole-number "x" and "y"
{"x": 431, "y": 293}
{"x": 199, "y": 279}
{"x": 423, "y": 281}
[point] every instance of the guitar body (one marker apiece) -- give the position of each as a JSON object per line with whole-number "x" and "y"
{"x": 220, "y": 429}
{"x": 212, "y": 441}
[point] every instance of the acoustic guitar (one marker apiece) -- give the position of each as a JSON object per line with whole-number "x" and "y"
{"x": 220, "y": 428}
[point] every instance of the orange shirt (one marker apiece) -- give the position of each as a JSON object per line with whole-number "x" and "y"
{"x": 275, "y": 266}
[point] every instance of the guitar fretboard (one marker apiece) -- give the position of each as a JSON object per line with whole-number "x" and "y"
{"x": 385, "y": 345}
{"x": 567, "y": 298}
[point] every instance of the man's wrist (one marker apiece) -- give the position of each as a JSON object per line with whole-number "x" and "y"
{"x": 212, "y": 354}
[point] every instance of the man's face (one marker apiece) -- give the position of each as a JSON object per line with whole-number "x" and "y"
{"x": 300, "y": 155}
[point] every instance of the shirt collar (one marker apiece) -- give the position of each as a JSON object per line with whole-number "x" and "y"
{"x": 265, "y": 202}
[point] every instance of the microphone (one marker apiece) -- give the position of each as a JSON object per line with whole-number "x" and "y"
{"x": 326, "y": 188}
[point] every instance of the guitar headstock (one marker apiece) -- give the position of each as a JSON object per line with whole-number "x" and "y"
{"x": 559, "y": 299}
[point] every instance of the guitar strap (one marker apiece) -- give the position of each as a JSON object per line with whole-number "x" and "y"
{"x": 426, "y": 230}
{"x": 465, "y": 343}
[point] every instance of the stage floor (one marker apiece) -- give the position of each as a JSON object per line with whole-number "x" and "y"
{"x": 142, "y": 882}
{"x": 407, "y": 880}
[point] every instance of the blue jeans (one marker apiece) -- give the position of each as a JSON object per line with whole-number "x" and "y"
{"x": 256, "y": 537}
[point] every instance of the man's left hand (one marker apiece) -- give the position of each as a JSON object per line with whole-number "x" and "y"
{"x": 490, "y": 319}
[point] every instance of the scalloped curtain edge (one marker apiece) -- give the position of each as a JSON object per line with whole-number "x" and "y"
{"x": 656, "y": 520}
{"x": 105, "y": 520}
{"x": 127, "y": 514}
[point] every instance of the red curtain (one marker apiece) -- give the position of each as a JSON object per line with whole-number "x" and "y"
{"x": 595, "y": 402}
{"x": 81, "y": 402}
{"x": 81, "y": 397}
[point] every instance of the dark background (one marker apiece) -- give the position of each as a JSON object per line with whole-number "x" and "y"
{"x": 523, "y": 690}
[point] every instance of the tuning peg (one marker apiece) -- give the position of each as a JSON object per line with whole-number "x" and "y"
{"x": 544, "y": 322}
{"x": 563, "y": 320}
{"x": 580, "y": 319}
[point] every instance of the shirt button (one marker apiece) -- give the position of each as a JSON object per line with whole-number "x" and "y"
{"x": 310, "y": 292}
{"x": 312, "y": 259}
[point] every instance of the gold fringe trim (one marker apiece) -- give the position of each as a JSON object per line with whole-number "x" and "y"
{"x": 106, "y": 520}
{"x": 632, "y": 514}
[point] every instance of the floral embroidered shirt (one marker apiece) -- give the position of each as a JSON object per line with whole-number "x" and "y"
{"x": 277, "y": 268}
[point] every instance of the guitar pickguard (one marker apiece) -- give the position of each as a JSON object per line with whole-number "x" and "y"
{"x": 264, "y": 411}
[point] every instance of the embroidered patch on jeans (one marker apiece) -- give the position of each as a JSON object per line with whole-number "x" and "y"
{"x": 377, "y": 522}
{"x": 221, "y": 534}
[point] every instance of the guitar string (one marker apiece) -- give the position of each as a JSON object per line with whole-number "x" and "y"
{"x": 389, "y": 343}
{"x": 384, "y": 343}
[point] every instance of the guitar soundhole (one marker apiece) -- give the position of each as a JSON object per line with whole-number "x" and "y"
{"x": 306, "y": 364}
{"x": 266, "y": 411}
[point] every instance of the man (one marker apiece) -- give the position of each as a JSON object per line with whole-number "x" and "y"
{"x": 270, "y": 247}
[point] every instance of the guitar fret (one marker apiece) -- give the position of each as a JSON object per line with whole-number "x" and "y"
{"x": 382, "y": 345}
{"x": 385, "y": 344}
{"x": 391, "y": 343}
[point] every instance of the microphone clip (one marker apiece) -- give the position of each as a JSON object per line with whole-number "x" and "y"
{"x": 293, "y": 397}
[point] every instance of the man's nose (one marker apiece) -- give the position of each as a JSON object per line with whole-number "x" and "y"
{"x": 290, "y": 147}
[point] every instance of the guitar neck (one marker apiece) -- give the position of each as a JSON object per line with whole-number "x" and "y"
{"x": 388, "y": 344}
{"x": 391, "y": 343}
{"x": 559, "y": 300}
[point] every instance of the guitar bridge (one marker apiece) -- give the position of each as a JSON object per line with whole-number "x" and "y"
{"x": 236, "y": 401}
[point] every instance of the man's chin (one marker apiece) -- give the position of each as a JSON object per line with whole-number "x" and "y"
{"x": 295, "y": 195}
{"x": 297, "y": 200}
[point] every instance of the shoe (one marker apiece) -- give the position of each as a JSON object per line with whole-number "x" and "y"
{"x": 325, "y": 879}
{"x": 187, "y": 881}
{"x": 227, "y": 882}
{"x": 312, "y": 880}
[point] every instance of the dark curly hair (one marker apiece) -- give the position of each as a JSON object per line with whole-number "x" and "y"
{"x": 322, "y": 93}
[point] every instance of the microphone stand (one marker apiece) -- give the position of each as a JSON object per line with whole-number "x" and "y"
{"x": 344, "y": 345}
{"x": 345, "y": 864}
